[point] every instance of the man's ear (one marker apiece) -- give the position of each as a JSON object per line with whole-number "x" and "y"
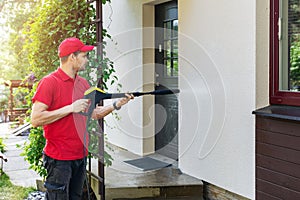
{"x": 72, "y": 57}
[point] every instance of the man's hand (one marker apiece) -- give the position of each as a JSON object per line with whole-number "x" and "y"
{"x": 80, "y": 105}
{"x": 124, "y": 100}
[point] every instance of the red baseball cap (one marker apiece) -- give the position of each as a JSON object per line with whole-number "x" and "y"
{"x": 71, "y": 45}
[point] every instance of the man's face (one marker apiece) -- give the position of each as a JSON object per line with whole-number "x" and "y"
{"x": 81, "y": 61}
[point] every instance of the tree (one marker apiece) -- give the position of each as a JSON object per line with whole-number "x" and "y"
{"x": 13, "y": 15}
{"x": 54, "y": 21}
{"x": 294, "y": 44}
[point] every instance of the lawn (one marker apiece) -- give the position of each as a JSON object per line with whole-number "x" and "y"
{"x": 8, "y": 191}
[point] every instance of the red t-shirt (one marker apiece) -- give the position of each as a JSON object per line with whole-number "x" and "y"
{"x": 65, "y": 137}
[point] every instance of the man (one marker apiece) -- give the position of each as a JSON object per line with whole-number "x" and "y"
{"x": 57, "y": 104}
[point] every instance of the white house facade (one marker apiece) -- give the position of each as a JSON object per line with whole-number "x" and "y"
{"x": 221, "y": 68}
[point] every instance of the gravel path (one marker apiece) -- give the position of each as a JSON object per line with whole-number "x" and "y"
{"x": 37, "y": 195}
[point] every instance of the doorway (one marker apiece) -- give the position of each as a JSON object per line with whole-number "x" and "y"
{"x": 166, "y": 71}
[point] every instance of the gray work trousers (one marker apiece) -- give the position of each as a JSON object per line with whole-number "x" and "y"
{"x": 65, "y": 178}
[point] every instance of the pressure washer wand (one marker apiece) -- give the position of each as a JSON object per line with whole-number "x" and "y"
{"x": 96, "y": 95}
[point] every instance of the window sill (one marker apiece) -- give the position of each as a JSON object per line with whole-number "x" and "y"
{"x": 279, "y": 112}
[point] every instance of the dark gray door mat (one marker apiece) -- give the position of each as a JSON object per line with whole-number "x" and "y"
{"x": 147, "y": 163}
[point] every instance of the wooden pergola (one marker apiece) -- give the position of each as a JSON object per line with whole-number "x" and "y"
{"x": 12, "y": 112}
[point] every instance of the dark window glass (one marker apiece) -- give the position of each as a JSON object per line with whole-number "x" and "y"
{"x": 171, "y": 48}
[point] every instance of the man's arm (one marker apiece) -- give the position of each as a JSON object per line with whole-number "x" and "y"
{"x": 41, "y": 116}
{"x": 101, "y": 111}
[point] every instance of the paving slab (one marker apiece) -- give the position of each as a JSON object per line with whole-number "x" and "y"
{"x": 16, "y": 167}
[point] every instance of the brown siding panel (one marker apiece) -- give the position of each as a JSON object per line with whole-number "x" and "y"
{"x": 276, "y": 165}
{"x": 278, "y": 178}
{"x": 263, "y": 196}
{"x": 277, "y": 159}
{"x": 277, "y": 191}
{"x": 281, "y": 153}
{"x": 278, "y": 139}
{"x": 278, "y": 126}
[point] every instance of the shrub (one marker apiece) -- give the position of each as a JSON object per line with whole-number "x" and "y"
{"x": 2, "y": 146}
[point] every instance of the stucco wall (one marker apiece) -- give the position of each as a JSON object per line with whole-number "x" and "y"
{"x": 123, "y": 21}
{"x": 217, "y": 80}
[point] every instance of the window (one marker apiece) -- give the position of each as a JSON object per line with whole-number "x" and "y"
{"x": 285, "y": 52}
{"x": 171, "y": 47}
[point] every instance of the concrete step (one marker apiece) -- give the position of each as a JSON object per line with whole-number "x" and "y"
{"x": 159, "y": 184}
{"x": 123, "y": 181}
{"x": 162, "y": 198}
{"x": 170, "y": 192}
{"x": 160, "y": 190}
{"x": 167, "y": 182}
